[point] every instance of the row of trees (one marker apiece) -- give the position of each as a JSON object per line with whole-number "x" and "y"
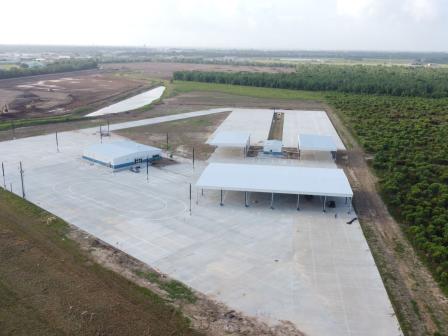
{"x": 408, "y": 137}
{"x": 55, "y": 67}
{"x": 386, "y": 80}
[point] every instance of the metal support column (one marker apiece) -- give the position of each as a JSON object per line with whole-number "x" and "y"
{"x": 202, "y": 192}
{"x": 190, "y": 199}
{"x": 57, "y": 142}
{"x": 246, "y": 203}
{"x": 324, "y": 204}
{"x": 272, "y": 201}
{"x": 147, "y": 169}
{"x": 221, "y": 204}
{"x": 350, "y": 206}
{"x": 298, "y": 202}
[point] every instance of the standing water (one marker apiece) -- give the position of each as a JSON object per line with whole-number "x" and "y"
{"x": 132, "y": 103}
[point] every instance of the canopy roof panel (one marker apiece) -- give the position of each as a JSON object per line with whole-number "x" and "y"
{"x": 315, "y": 142}
{"x": 275, "y": 179}
{"x": 230, "y": 139}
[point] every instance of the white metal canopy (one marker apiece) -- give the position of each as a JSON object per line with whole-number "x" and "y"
{"x": 315, "y": 142}
{"x": 275, "y": 179}
{"x": 230, "y": 139}
{"x": 119, "y": 152}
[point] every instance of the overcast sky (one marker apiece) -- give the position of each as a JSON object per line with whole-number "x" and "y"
{"x": 414, "y": 25}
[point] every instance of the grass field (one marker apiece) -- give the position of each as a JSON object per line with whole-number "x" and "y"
{"x": 257, "y": 92}
{"x": 47, "y": 278}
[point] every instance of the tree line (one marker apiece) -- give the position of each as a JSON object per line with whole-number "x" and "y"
{"x": 384, "y": 80}
{"x": 54, "y": 67}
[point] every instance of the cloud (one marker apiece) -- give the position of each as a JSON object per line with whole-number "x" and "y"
{"x": 355, "y": 8}
{"x": 278, "y": 24}
{"x": 421, "y": 10}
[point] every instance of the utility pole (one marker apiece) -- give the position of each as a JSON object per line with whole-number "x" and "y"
{"x": 57, "y": 142}
{"x": 3, "y": 173}
{"x": 190, "y": 199}
{"x": 147, "y": 169}
{"x": 21, "y": 179}
{"x": 167, "y": 142}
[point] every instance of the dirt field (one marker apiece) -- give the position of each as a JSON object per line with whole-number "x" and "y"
{"x": 165, "y": 70}
{"x": 419, "y": 302}
{"x": 49, "y": 95}
{"x": 183, "y": 135}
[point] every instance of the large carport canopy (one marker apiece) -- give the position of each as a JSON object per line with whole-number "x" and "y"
{"x": 315, "y": 142}
{"x": 324, "y": 182}
{"x": 231, "y": 140}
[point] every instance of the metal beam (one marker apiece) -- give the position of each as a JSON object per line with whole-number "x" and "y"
{"x": 246, "y": 204}
{"x": 272, "y": 201}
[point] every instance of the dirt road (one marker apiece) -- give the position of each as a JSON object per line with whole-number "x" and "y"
{"x": 419, "y": 302}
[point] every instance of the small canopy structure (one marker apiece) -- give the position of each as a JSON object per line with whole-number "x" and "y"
{"x": 276, "y": 179}
{"x": 315, "y": 142}
{"x": 231, "y": 140}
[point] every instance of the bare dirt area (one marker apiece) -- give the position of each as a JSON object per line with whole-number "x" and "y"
{"x": 418, "y": 301}
{"x": 182, "y": 135}
{"x": 49, "y": 95}
{"x": 166, "y": 70}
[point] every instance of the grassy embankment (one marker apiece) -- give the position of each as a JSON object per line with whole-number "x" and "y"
{"x": 49, "y": 286}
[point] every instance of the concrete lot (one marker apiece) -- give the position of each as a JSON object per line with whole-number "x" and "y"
{"x": 257, "y": 122}
{"x": 307, "y": 122}
{"x": 308, "y": 267}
